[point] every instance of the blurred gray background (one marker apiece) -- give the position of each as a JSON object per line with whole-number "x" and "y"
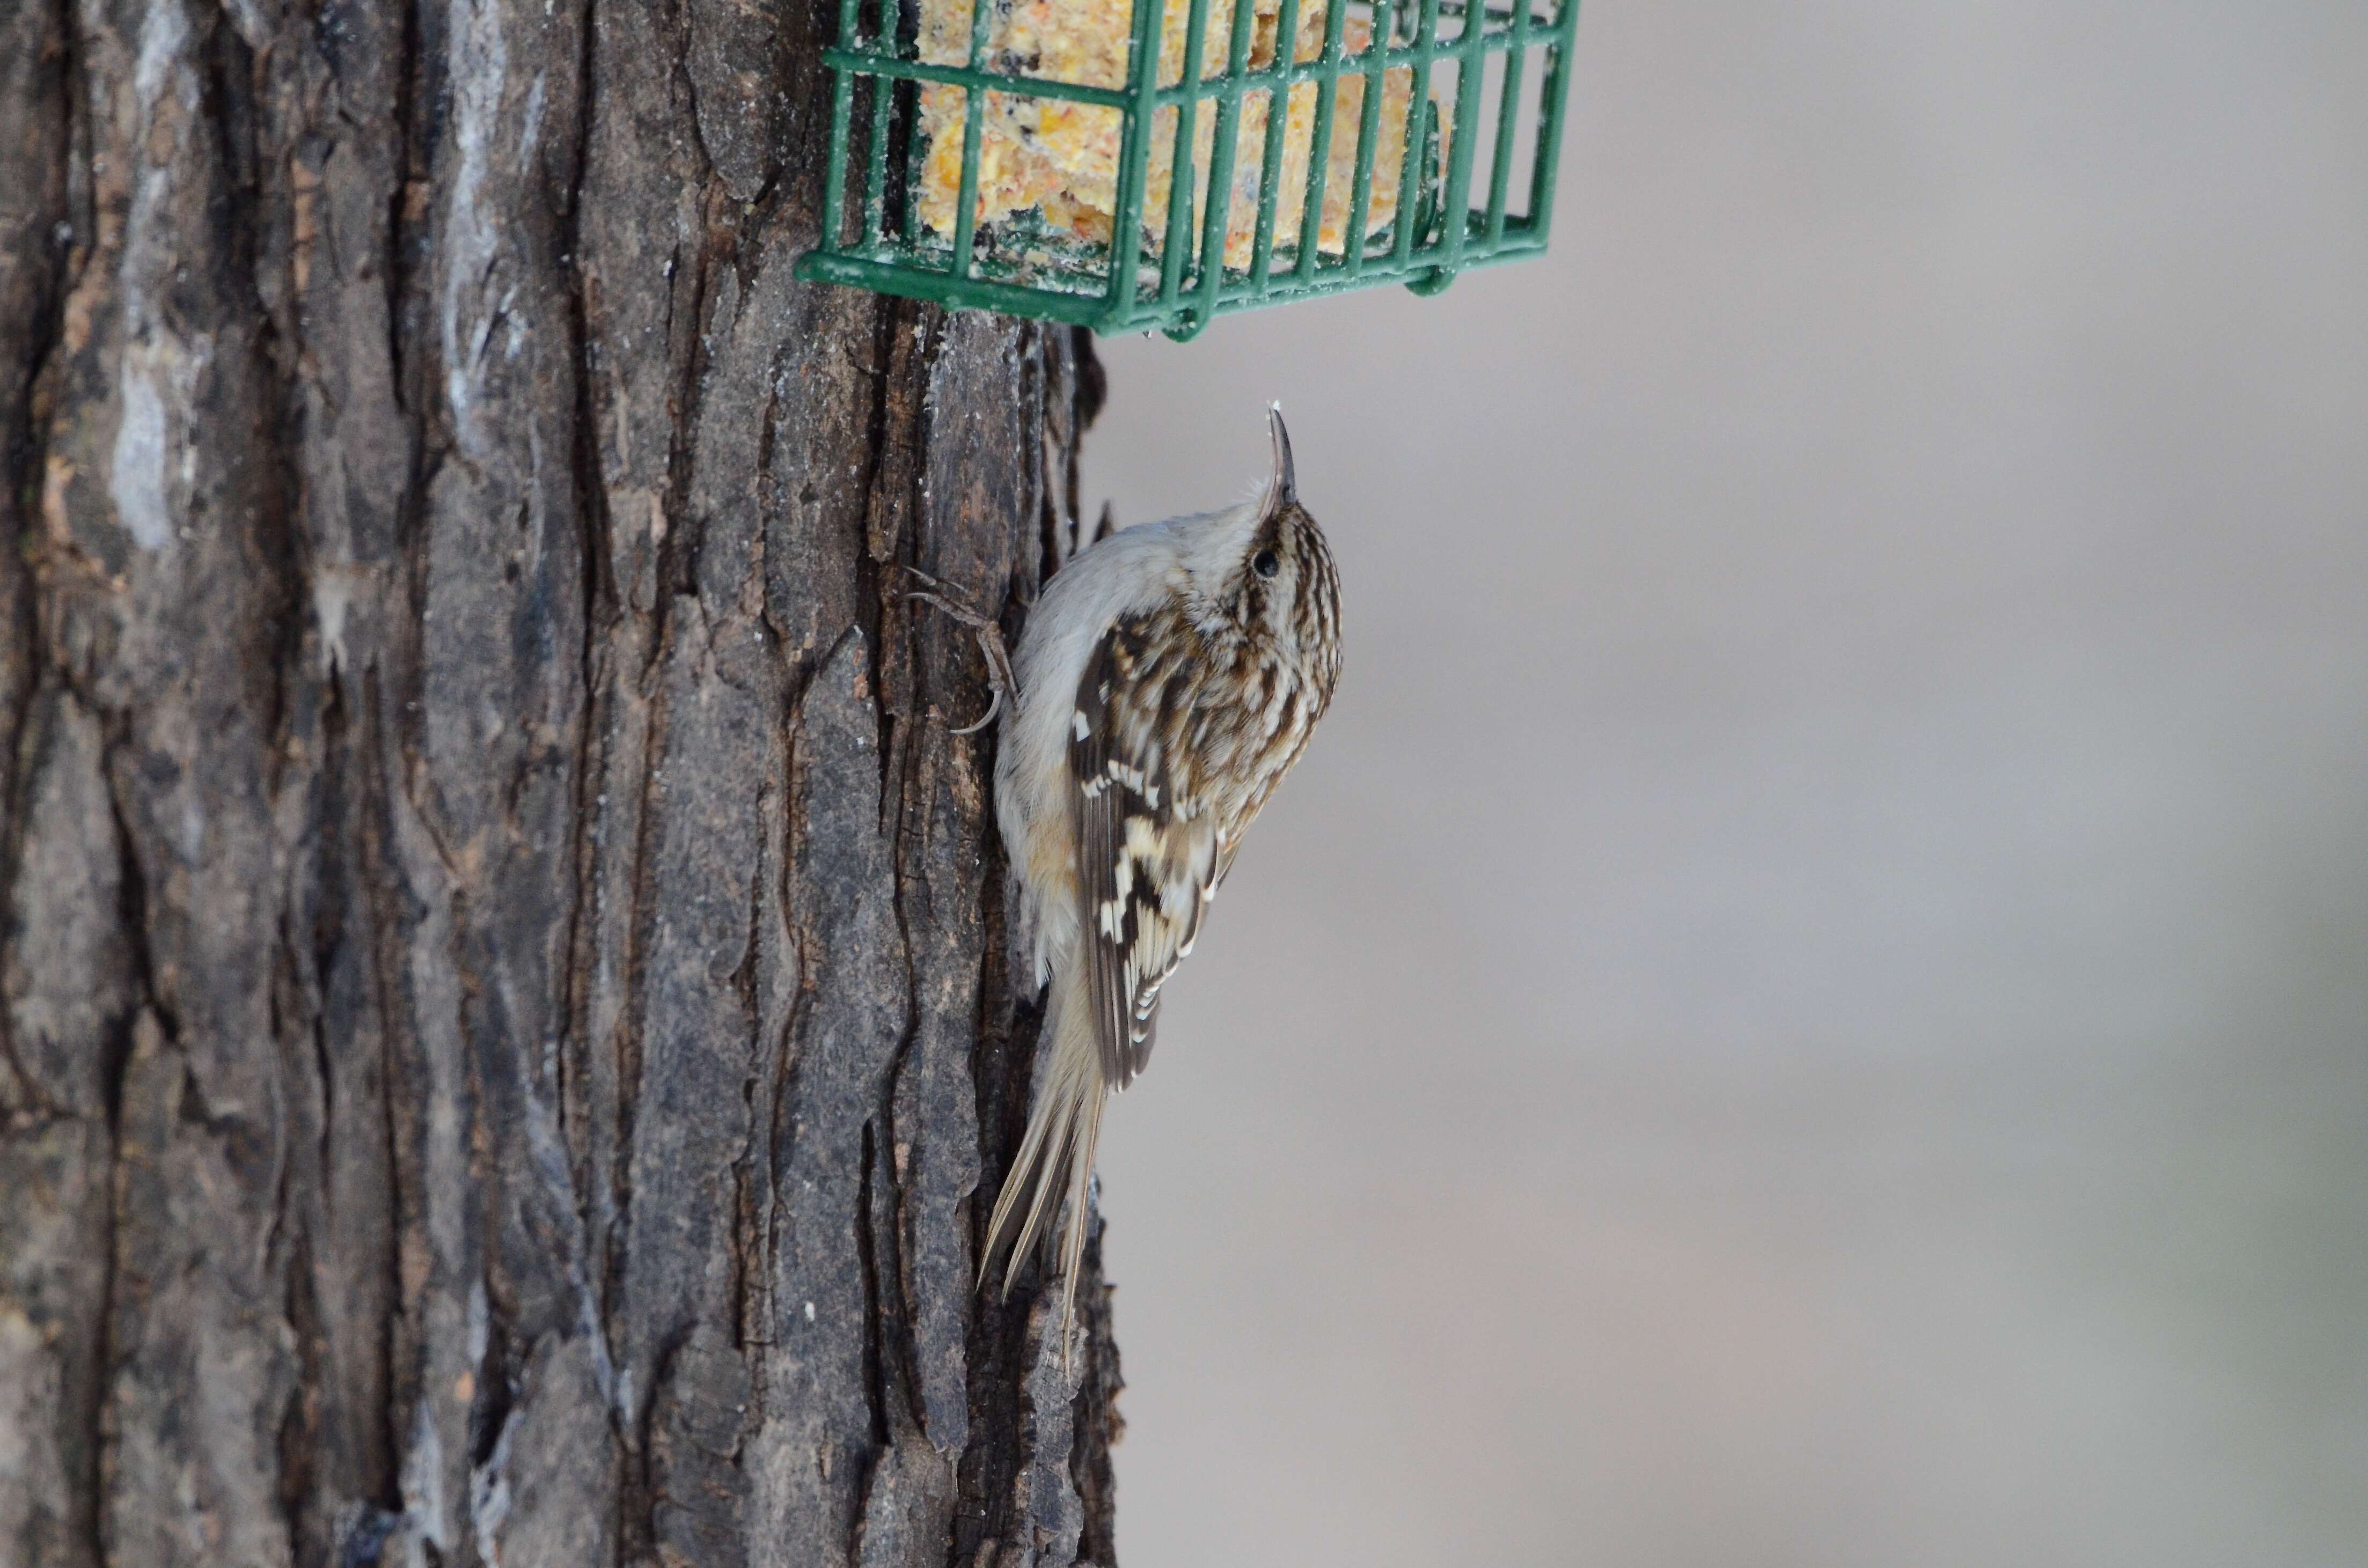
{"x": 1809, "y": 1004}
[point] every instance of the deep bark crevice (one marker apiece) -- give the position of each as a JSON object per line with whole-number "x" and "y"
{"x": 867, "y": 1253}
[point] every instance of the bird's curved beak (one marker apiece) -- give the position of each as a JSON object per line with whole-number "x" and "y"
{"x": 1282, "y": 489}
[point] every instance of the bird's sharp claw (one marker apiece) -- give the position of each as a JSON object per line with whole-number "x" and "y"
{"x": 1000, "y": 675}
{"x": 993, "y": 706}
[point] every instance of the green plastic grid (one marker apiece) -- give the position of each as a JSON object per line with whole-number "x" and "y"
{"x": 882, "y": 245}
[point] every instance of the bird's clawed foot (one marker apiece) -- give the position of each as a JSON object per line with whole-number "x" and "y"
{"x": 1001, "y": 682}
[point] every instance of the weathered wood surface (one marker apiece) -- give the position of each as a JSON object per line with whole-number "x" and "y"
{"x": 506, "y": 1026}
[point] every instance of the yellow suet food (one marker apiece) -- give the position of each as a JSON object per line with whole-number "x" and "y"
{"x": 1062, "y": 158}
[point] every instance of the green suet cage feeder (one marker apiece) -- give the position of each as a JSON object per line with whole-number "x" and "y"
{"x": 1022, "y": 155}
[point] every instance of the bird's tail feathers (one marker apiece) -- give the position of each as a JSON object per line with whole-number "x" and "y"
{"x": 1055, "y": 1166}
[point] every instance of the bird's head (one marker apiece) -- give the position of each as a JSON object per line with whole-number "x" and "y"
{"x": 1263, "y": 572}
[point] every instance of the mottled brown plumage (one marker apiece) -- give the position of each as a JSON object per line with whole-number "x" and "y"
{"x": 1187, "y": 725}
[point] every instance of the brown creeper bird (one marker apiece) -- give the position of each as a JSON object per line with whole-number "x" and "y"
{"x": 1169, "y": 676}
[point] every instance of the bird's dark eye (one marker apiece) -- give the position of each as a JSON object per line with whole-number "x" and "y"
{"x": 1265, "y": 564}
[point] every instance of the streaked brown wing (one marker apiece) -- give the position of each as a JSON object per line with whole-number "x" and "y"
{"x": 1146, "y": 860}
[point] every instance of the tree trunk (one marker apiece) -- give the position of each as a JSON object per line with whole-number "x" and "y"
{"x": 507, "y": 1017}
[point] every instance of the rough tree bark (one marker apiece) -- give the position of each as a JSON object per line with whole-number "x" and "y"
{"x": 504, "y": 1021}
